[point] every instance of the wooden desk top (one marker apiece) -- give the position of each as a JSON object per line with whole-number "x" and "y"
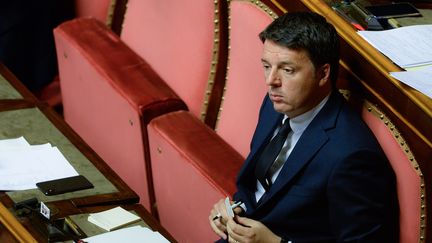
{"x": 13, "y": 94}
{"x": 33, "y": 117}
{"x": 21, "y": 230}
{"x": 147, "y": 218}
{"x": 18, "y": 105}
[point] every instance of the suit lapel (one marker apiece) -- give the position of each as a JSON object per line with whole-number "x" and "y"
{"x": 311, "y": 141}
{"x": 308, "y": 145}
{"x": 269, "y": 119}
{"x": 262, "y": 135}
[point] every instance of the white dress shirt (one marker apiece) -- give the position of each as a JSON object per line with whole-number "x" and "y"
{"x": 298, "y": 125}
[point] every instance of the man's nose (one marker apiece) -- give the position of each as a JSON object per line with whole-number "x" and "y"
{"x": 273, "y": 78}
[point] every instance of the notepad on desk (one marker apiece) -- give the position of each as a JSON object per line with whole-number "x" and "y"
{"x": 113, "y": 219}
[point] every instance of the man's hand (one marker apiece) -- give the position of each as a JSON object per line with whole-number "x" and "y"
{"x": 243, "y": 229}
{"x": 219, "y": 224}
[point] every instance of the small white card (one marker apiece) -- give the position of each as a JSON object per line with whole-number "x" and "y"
{"x": 229, "y": 209}
{"x": 113, "y": 218}
{"x": 45, "y": 211}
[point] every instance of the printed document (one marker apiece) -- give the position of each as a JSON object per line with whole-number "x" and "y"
{"x": 23, "y": 165}
{"x": 135, "y": 234}
{"x": 408, "y": 46}
{"x": 420, "y": 80}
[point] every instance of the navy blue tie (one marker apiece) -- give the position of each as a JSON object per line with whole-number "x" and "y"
{"x": 269, "y": 155}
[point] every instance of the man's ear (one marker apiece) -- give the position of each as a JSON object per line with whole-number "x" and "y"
{"x": 324, "y": 74}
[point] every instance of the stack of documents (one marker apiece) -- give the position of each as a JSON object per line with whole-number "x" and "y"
{"x": 23, "y": 165}
{"x": 410, "y": 48}
{"x": 113, "y": 219}
{"x": 135, "y": 234}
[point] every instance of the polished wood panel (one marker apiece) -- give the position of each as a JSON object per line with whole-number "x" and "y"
{"x": 220, "y": 72}
{"x": 20, "y": 87}
{"x": 22, "y": 229}
{"x": 11, "y": 230}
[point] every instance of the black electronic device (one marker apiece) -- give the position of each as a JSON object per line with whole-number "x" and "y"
{"x": 394, "y": 10}
{"x": 63, "y": 185}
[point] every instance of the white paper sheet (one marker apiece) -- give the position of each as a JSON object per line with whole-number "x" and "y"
{"x": 406, "y": 46}
{"x": 14, "y": 142}
{"x": 420, "y": 80}
{"x": 21, "y": 167}
{"x": 112, "y": 219}
{"x": 135, "y": 234}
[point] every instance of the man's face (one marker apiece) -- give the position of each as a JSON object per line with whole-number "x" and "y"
{"x": 295, "y": 86}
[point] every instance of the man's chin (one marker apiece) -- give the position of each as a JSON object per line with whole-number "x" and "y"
{"x": 279, "y": 108}
{"x": 283, "y": 108}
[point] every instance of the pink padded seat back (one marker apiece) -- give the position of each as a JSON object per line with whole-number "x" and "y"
{"x": 245, "y": 87}
{"x": 102, "y": 82}
{"x": 193, "y": 168}
{"x": 97, "y": 9}
{"x": 176, "y": 39}
{"x": 408, "y": 179}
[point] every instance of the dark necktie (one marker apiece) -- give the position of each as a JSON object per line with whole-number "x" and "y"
{"x": 269, "y": 155}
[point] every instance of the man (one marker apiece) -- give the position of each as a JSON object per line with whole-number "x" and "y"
{"x": 330, "y": 181}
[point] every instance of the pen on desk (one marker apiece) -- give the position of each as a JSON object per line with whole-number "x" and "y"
{"x": 74, "y": 228}
{"x": 393, "y": 23}
{"x": 234, "y": 205}
{"x": 348, "y": 18}
{"x": 72, "y": 225}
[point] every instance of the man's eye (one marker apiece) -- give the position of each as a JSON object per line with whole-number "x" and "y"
{"x": 288, "y": 70}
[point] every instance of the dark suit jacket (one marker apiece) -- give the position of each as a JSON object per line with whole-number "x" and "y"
{"x": 336, "y": 185}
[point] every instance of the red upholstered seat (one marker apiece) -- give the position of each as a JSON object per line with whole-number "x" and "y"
{"x": 177, "y": 39}
{"x": 194, "y": 166}
{"x": 113, "y": 86}
{"x": 245, "y": 86}
{"x": 410, "y": 184}
{"x": 102, "y": 82}
{"x": 97, "y": 9}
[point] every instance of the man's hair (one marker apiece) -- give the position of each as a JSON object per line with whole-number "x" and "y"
{"x": 310, "y": 32}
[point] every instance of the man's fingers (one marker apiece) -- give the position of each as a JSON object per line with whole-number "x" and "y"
{"x": 238, "y": 210}
{"x": 219, "y": 228}
{"x": 230, "y": 231}
{"x": 245, "y": 221}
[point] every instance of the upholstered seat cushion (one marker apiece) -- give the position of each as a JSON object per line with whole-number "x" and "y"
{"x": 109, "y": 95}
{"x": 193, "y": 168}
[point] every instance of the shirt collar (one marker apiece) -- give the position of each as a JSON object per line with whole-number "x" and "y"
{"x": 300, "y": 122}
